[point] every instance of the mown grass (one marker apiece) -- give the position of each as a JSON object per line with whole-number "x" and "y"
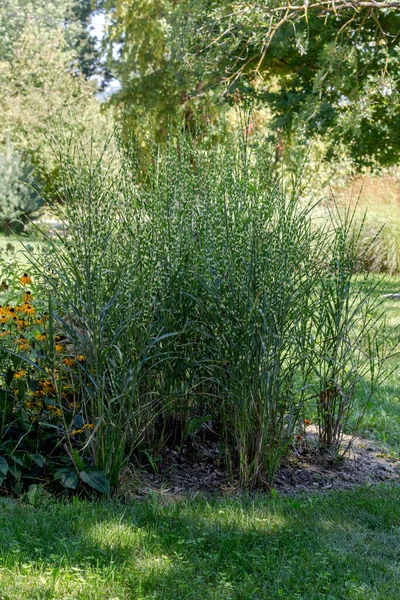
{"x": 22, "y": 246}
{"x": 17, "y": 242}
{"x": 382, "y": 418}
{"x": 337, "y": 546}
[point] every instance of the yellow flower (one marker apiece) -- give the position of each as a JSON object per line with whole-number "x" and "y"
{"x": 59, "y": 348}
{"x": 68, "y": 361}
{"x": 30, "y": 310}
{"x": 25, "y": 279}
{"x": 28, "y": 297}
{"x": 80, "y": 358}
{"x": 27, "y": 309}
{"x": 54, "y": 410}
{"x": 35, "y": 405}
{"x": 4, "y": 333}
{"x": 47, "y": 387}
{"x": 21, "y": 323}
{"x": 22, "y": 344}
{"x": 19, "y": 374}
{"x": 88, "y": 426}
{"x": 76, "y": 431}
{"x": 41, "y": 337}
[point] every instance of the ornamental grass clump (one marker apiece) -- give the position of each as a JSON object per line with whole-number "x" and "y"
{"x": 198, "y": 290}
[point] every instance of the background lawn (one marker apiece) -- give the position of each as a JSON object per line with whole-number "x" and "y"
{"x": 382, "y": 418}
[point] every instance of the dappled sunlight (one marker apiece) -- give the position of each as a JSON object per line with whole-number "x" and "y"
{"x": 115, "y": 536}
{"x": 208, "y": 549}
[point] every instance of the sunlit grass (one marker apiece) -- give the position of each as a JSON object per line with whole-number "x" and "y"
{"x": 340, "y": 546}
{"x": 382, "y": 418}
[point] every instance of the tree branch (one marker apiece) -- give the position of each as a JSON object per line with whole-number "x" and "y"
{"x": 335, "y": 5}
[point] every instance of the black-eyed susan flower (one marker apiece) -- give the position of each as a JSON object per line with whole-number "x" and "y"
{"x": 55, "y": 411}
{"x": 25, "y": 279}
{"x": 68, "y": 361}
{"x": 29, "y": 310}
{"x": 35, "y": 405}
{"x": 23, "y": 344}
{"x": 42, "y": 319}
{"x": 3, "y": 333}
{"x": 28, "y": 298}
{"x": 59, "y": 348}
{"x": 46, "y": 387}
{"x": 76, "y": 431}
{"x": 19, "y": 374}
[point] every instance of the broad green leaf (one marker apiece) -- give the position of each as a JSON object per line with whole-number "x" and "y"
{"x": 3, "y": 466}
{"x": 38, "y": 459}
{"x": 68, "y": 478}
{"x": 97, "y": 480}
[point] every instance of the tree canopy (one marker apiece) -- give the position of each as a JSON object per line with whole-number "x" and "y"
{"x": 44, "y": 82}
{"x": 50, "y": 17}
{"x": 327, "y": 67}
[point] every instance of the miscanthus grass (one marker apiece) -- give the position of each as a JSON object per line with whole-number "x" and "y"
{"x": 201, "y": 289}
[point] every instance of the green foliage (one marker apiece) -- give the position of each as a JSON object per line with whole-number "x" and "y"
{"x": 148, "y": 54}
{"x": 43, "y": 432}
{"x": 69, "y": 16}
{"x": 330, "y": 73}
{"x": 19, "y": 194}
{"x": 43, "y": 84}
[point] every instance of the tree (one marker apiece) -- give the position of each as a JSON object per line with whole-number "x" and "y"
{"x": 42, "y": 90}
{"x": 19, "y": 194}
{"x": 147, "y": 52}
{"x": 72, "y": 16}
{"x": 327, "y": 67}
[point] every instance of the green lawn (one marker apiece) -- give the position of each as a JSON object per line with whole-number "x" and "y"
{"x": 334, "y": 547}
{"x": 17, "y": 242}
{"x": 382, "y": 419}
{"x": 21, "y": 246}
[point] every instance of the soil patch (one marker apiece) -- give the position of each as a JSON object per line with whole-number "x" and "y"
{"x": 197, "y": 468}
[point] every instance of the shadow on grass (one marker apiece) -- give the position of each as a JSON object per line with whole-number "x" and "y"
{"x": 343, "y": 545}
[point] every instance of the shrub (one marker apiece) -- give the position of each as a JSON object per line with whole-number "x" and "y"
{"x": 19, "y": 197}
